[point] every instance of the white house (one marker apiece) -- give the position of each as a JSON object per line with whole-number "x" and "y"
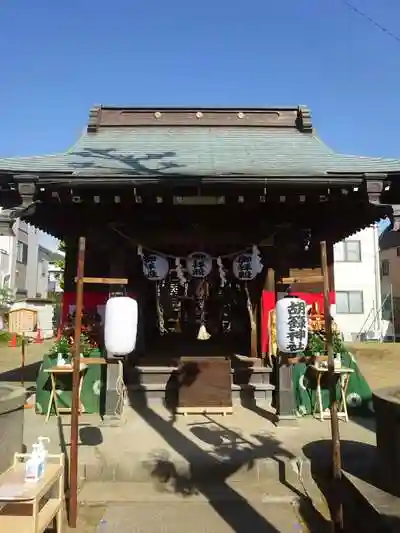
{"x": 24, "y": 260}
{"x": 358, "y": 286}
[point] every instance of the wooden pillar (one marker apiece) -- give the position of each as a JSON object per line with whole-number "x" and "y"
{"x": 270, "y": 287}
{"x": 285, "y": 399}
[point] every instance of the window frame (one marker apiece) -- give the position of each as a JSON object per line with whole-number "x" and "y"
{"x": 345, "y": 251}
{"x": 349, "y": 312}
{"x": 385, "y": 267}
{"x": 21, "y": 254}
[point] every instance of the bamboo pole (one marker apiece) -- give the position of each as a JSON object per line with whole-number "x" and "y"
{"x": 73, "y": 471}
{"x": 337, "y": 508}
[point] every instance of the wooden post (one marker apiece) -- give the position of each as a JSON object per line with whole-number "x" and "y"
{"x": 73, "y": 476}
{"x": 23, "y": 360}
{"x": 337, "y": 508}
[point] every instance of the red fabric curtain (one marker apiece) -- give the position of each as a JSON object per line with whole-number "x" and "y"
{"x": 268, "y": 303}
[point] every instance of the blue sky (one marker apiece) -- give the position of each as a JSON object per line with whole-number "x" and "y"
{"x": 60, "y": 57}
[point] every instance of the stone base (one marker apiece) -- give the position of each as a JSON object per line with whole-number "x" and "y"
{"x": 287, "y": 421}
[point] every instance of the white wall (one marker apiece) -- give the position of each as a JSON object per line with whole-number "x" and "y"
{"x": 360, "y": 276}
{"x": 32, "y": 276}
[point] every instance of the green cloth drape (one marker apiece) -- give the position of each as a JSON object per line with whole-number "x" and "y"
{"x": 91, "y": 386}
{"x": 358, "y": 396}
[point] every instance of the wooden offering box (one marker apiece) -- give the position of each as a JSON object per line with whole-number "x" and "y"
{"x": 205, "y": 385}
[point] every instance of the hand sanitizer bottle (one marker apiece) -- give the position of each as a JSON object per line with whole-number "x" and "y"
{"x": 32, "y": 466}
{"x": 43, "y": 453}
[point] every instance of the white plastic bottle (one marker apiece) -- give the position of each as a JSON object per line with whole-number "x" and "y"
{"x": 33, "y": 465}
{"x": 43, "y": 453}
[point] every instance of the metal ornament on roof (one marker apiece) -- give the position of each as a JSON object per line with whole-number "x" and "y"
{"x": 199, "y": 264}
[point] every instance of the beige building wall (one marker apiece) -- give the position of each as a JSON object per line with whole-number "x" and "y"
{"x": 390, "y": 271}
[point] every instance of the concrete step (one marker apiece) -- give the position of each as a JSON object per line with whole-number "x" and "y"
{"x": 253, "y": 392}
{"x": 241, "y": 467}
{"x": 149, "y": 375}
{"x": 185, "y": 515}
{"x": 261, "y": 391}
{"x": 174, "y": 490}
{"x": 252, "y": 376}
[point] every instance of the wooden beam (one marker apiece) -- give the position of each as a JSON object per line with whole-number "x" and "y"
{"x": 106, "y": 281}
{"x": 306, "y": 279}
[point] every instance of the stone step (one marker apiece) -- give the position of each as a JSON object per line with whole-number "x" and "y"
{"x": 252, "y": 376}
{"x": 261, "y": 391}
{"x": 174, "y": 490}
{"x": 201, "y": 468}
{"x": 146, "y": 375}
{"x": 253, "y": 392}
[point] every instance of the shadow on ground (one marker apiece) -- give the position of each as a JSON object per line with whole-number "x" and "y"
{"x": 29, "y": 374}
{"x": 230, "y": 452}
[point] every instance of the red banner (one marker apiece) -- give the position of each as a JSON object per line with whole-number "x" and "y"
{"x": 90, "y": 301}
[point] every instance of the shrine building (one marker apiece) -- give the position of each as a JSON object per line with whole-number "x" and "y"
{"x": 211, "y": 215}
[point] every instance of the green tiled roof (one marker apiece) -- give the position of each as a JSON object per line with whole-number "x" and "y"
{"x": 200, "y": 151}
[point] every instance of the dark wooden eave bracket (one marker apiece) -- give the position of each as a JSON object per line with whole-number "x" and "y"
{"x": 375, "y": 189}
{"x": 26, "y": 185}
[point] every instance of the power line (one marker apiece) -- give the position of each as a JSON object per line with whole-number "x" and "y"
{"x": 371, "y": 20}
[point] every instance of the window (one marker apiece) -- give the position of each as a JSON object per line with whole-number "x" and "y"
{"x": 385, "y": 267}
{"x": 349, "y": 302}
{"x": 348, "y": 251}
{"x": 22, "y": 252}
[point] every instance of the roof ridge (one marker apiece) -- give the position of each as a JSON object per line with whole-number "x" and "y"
{"x": 298, "y": 117}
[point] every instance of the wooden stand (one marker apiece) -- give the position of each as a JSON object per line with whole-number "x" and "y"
{"x": 54, "y": 372}
{"x": 31, "y": 506}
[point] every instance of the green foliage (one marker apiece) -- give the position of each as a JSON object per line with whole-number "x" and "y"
{"x": 6, "y": 336}
{"x": 6, "y": 297}
{"x": 65, "y": 347}
{"x": 316, "y": 343}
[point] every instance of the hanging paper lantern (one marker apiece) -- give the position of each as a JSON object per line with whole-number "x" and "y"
{"x": 245, "y": 266}
{"x": 120, "y": 325}
{"x": 291, "y": 325}
{"x": 199, "y": 264}
{"x": 155, "y": 267}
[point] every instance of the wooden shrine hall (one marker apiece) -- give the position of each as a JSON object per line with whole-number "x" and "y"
{"x": 211, "y": 215}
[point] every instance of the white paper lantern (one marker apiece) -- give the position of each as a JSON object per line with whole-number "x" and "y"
{"x": 120, "y": 325}
{"x": 291, "y": 325}
{"x": 199, "y": 264}
{"x": 155, "y": 267}
{"x": 245, "y": 266}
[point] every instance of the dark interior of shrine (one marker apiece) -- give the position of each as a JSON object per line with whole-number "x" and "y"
{"x": 286, "y": 225}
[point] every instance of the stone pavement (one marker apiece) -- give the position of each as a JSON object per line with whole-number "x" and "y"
{"x": 200, "y": 517}
{"x": 245, "y": 445}
{"x": 149, "y": 464}
{"x": 216, "y": 508}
